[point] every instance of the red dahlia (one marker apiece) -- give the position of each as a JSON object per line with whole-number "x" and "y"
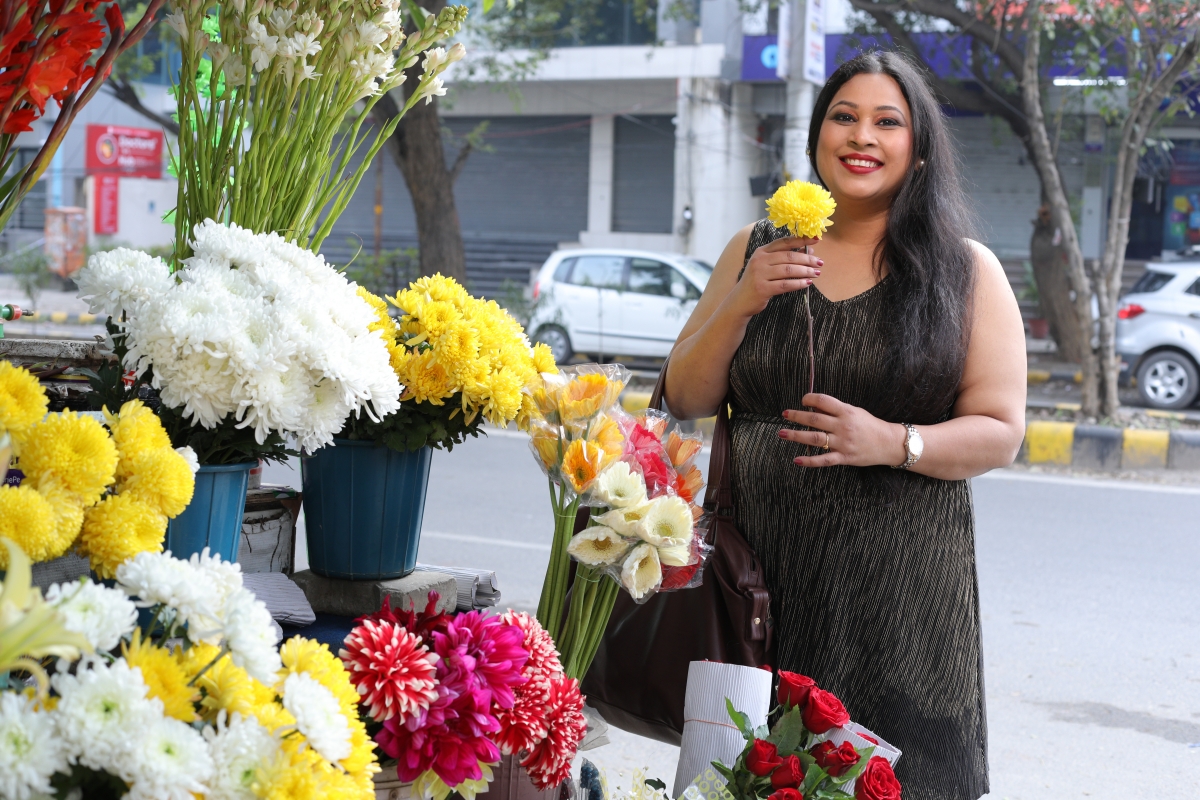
{"x": 549, "y": 763}
{"x": 395, "y": 674}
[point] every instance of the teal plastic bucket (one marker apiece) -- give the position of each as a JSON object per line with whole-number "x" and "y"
{"x": 363, "y": 506}
{"x": 214, "y": 517}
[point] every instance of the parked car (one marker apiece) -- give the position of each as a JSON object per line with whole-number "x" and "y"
{"x": 610, "y": 302}
{"x": 1158, "y": 334}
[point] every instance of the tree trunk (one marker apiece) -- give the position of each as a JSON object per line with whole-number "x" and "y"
{"x": 1049, "y": 263}
{"x": 1060, "y": 213}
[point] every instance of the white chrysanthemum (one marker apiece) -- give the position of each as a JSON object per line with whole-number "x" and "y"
{"x": 189, "y": 455}
{"x": 30, "y": 749}
{"x": 101, "y": 614}
{"x": 159, "y": 578}
{"x": 99, "y": 709}
{"x": 318, "y": 716}
{"x": 170, "y": 761}
{"x": 620, "y": 487}
{"x": 251, "y": 637}
{"x": 122, "y": 280}
{"x": 625, "y": 521}
{"x": 598, "y": 546}
{"x": 241, "y": 749}
{"x": 667, "y": 523}
{"x": 641, "y": 573}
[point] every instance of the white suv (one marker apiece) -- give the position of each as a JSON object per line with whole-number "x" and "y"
{"x": 610, "y": 302}
{"x": 1158, "y": 334}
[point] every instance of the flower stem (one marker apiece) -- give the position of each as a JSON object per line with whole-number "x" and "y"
{"x": 812, "y": 358}
{"x": 554, "y": 588}
{"x": 209, "y": 665}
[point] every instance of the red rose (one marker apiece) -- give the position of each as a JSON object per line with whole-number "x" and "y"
{"x": 877, "y": 782}
{"x": 794, "y": 689}
{"x": 763, "y": 758}
{"x": 789, "y": 774}
{"x": 823, "y": 711}
{"x": 835, "y": 760}
{"x": 787, "y": 793}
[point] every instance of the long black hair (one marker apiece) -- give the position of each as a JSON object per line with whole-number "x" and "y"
{"x": 931, "y": 266}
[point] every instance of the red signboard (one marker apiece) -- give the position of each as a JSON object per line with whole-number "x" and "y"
{"x": 107, "y": 199}
{"x": 129, "y": 152}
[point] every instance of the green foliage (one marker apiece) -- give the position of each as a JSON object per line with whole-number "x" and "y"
{"x": 32, "y": 271}
{"x": 789, "y": 731}
{"x": 416, "y": 425}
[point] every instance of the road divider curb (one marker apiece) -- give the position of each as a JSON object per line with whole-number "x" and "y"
{"x": 1035, "y": 376}
{"x": 59, "y": 318}
{"x": 1098, "y": 447}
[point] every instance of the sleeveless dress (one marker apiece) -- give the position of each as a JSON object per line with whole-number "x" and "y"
{"x": 871, "y": 570}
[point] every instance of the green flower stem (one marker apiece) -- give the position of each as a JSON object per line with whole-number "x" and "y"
{"x": 554, "y": 589}
{"x": 604, "y": 598}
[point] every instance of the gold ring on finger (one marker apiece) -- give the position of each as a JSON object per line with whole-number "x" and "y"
{"x": 826, "y": 445}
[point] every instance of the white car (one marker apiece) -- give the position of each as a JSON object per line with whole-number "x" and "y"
{"x": 1158, "y": 334}
{"x": 610, "y": 302}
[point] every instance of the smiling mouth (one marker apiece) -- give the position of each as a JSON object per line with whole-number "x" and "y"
{"x": 861, "y": 162}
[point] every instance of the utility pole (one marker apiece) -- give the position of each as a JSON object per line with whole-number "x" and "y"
{"x": 802, "y": 65}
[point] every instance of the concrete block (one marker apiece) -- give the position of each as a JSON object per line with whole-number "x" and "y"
{"x": 1097, "y": 447}
{"x": 1049, "y": 442}
{"x": 1145, "y": 449}
{"x": 1184, "y": 450}
{"x": 356, "y": 598}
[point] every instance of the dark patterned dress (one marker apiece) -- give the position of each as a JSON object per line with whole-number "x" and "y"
{"x": 871, "y": 570}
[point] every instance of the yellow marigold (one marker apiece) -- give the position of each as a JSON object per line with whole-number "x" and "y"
{"x": 75, "y": 451}
{"x": 543, "y": 359}
{"x": 28, "y": 519}
{"x": 802, "y": 207}
{"x": 163, "y": 674}
{"x": 118, "y": 529}
{"x": 162, "y": 479}
{"x": 582, "y": 462}
{"x": 22, "y": 400}
{"x": 135, "y": 430}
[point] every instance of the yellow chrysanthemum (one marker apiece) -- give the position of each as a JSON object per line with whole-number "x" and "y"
{"x": 543, "y": 359}
{"x": 426, "y": 381}
{"x": 301, "y": 774}
{"x": 117, "y": 529}
{"x": 135, "y": 430}
{"x": 22, "y": 401}
{"x": 76, "y": 452}
{"x": 227, "y": 687}
{"x": 457, "y": 347}
{"x": 165, "y": 677}
{"x": 162, "y": 479}
{"x": 802, "y": 207}
{"x": 68, "y": 519}
{"x": 28, "y": 519}
{"x": 582, "y": 462}
{"x": 503, "y": 397}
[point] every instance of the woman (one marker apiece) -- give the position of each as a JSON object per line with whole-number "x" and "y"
{"x": 920, "y": 364}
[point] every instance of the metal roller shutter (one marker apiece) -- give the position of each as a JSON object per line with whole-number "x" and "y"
{"x": 643, "y": 174}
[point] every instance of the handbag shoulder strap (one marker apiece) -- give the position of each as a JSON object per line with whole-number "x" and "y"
{"x": 718, "y": 495}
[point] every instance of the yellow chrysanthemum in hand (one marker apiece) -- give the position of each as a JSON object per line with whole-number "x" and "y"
{"x": 22, "y": 401}
{"x": 28, "y": 520}
{"x": 135, "y": 430}
{"x": 161, "y": 479}
{"x": 802, "y": 207}
{"x": 117, "y": 529}
{"x": 163, "y": 674}
{"x": 73, "y": 451}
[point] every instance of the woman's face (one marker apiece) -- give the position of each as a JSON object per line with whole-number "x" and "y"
{"x": 865, "y": 147}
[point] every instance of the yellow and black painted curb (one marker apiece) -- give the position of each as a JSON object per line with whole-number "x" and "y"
{"x": 58, "y": 318}
{"x": 1098, "y": 447}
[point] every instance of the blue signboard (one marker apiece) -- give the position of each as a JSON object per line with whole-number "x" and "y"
{"x": 760, "y": 57}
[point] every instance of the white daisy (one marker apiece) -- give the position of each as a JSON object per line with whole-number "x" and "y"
{"x": 101, "y": 614}
{"x": 318, "y": 716}
{"x": 30, "y": 749}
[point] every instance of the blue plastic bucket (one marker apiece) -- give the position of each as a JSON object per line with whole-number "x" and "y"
{"x": 363, "y": 506}
{"x": 214, "y": 517}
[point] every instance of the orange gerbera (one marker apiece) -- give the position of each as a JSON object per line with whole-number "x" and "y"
{"x": 582, "y": 462}
{"x": 691, "y": 481}
{"x": 545, "y": 441}
{"x": 607, "y": 434}
{"x": 681, "y": 450}
{"x": 584, "y": 396}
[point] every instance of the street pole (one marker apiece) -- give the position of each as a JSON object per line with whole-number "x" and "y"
{"x": 801, "y": 57}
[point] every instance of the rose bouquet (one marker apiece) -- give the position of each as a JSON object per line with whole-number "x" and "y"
{"x": 107, "y": 493}
{"x": 461, "y": 361}
{"x": 251, "y": 341}
{"x": 812, "y": 752}
{"x": 449, "y": 694}
{"x": 639, "y": 494}
{"x": 199, "y": 701}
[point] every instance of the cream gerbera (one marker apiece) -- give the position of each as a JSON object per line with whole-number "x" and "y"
{"x": 597, "y": 546}
{"x": 642, "y": 572}
{"x": 667, "y": 522}
{"x": 624, "y": 521}
{"x": 620, "y": 487}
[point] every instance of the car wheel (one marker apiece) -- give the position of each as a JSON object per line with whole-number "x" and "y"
{"x": 557, "y": 340}
{"x": 1168, "y": 379}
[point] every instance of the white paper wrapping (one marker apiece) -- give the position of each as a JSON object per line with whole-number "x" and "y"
{"x": 852, "y": 732}
{"x": 708, "y": 732}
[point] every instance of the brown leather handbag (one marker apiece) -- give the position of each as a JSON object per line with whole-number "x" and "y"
{"x": 639, "y": 676}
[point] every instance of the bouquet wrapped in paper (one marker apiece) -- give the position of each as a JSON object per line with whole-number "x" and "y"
{"x": 640, "y": 493}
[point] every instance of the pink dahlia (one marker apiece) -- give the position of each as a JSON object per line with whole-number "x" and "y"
{"x": 487, "y": 649}
{"x": 395, "y": 674}
{"x": 524, "y": 725}
{"x": 549, "y": 762}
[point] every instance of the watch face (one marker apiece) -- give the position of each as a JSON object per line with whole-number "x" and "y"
{"x": 916, "y": 445}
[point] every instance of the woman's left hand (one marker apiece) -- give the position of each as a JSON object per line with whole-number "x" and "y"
{"x": 848, "y": 434}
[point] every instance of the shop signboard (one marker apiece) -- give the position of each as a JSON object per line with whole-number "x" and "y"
{"x": 115, "y": 152}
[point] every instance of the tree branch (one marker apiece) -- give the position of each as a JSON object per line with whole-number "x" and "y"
{"x": 461, "y": 159}
{"x": 127, "y": 94}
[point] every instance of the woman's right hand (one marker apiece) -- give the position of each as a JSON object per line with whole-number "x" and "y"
{"x": 776, "y": 268}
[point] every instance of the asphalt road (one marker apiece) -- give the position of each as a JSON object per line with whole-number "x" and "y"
{"x": 1090, "y": 612}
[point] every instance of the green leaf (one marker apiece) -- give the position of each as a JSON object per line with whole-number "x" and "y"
{"x": 864, "y": 755}
{"x": 813, "y": 777}
{"x": 788, "y": 732}
{"x": 739, "y": 719}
